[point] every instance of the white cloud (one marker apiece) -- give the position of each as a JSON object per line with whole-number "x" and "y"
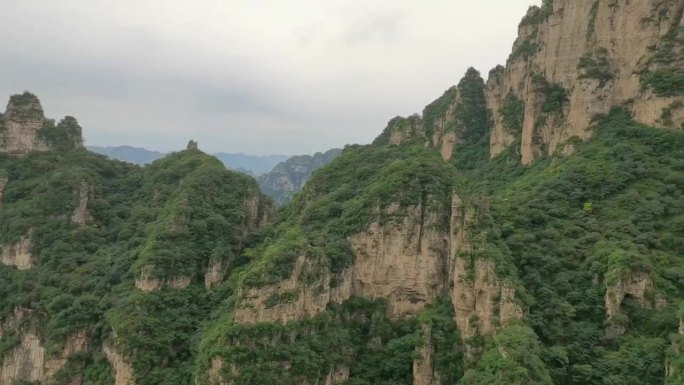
{"x": 259, "y": 76}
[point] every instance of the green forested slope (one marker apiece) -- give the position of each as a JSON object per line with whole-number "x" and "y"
{"x": 83, "y": 275}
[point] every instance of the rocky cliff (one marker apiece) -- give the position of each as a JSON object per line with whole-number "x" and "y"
{"x": 574, "y": 59}
{"x": 24, "y": 128}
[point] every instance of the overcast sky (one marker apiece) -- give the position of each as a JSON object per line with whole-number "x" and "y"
{"x": 253, "y": 76}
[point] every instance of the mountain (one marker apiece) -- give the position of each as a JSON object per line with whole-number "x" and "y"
{"x": 289, "y": 177}
{"x": 130, "y": 154}
{"x": 257, "y": 165}
{"x": 250, "y": 164}
{"x": 526, "y": 229}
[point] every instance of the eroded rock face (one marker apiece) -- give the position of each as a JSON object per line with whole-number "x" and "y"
{"x": 337, "y": 376}
{"x": 423, "y": 369}
{"x": 405, "y": 129}
{"x": 401, "y": 261}
{"x": 18, "y": 255}
{"x": 407, "y": 259}
{"x": 408, "y": 256}
{"x": 19, "y": 125}
{"x": 620, "y": 35}
{"x": 638, "y": 285}
{"x": 147, "y": 281}
{"x": 257, "y": 211}
{"x": 291, "y": 299}
{"x": 123, "y": 371}
{"x": 29, "y": 361}
{"x": 81, "y": 215}
{"x": 481, "y": 301}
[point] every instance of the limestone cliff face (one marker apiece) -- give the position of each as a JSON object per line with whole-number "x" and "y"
{"x": 19, "y": 125}
{"x": 407, "y": 256}
{"x": 638, "y": 285}
{"x": 594, "y": 51}
{"x": 148, "y": 281}
{"x": 24, "y": 128}
{"x": 424, "y": 372}
{"x": 123, "y": 371}
{"x": 458, "y": 117}
{"x": 17, "y": 255}
{"x": 29, "y": 361}
{"x": 257, "y": 211}
{"x": 401, "y": 260}
{"x": 81, "y": 215}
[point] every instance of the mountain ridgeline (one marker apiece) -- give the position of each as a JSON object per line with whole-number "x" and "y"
{"x": 289, "y": 177}
{"x": 524, "y": 229}
{"x": 253, "y": 165}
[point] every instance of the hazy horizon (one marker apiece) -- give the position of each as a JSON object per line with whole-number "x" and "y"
{"x": 259, "y": 78}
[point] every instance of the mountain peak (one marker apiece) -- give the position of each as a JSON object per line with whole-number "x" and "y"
{"x": 24, "y": 106}
{"x": 24, "y": 128}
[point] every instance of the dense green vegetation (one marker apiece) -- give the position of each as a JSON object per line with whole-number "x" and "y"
{"x": 82, "y": 279}
{"x": 512, "y": 112}
{"x": 561, "y": 232}
{"x": 356, "y": 335}
{"x": 596, "y": 66}
{"x": 613, "y": 208}
{"x": 337, "y": 203}
{"x": 555, "y": 96}
{"x": 663, "y": 71}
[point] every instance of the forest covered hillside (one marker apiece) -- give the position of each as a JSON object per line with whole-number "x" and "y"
{"x": 523, "y": 229}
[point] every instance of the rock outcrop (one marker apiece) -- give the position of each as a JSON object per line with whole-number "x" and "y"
{"x": 18, "y": 255}
{"x": 19, "y": 125}
{"x": 409, "y": 258}
{"x": 423, "y": 368}
{"x": 123, "y": 370}
{"x": 29, "y": 361}
{"x": 148, "y": 281}
{"x": 638, "y": 285}
{"x": 81, "y": 215}
{"x": 24, "y": 128}
{"x": 579, "y": 58}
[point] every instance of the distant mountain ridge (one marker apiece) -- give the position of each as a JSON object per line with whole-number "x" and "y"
{"x": 254, "y": 165}
{"x": 289, "y": 177}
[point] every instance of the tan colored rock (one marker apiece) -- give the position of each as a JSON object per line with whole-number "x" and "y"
{"x": 19, "y": 126}
{"x": 147, "y": 281}
{"x": 337, "y": 376}
{"x": 423, "y": 369}
{"x": 81, "y": 215}
{"x": 626, "y": 30}
{"x": 482, "y": 302}
{"x": 638, "y": 285}
{"x": 405, "y": 129}
{"x": 15, "y": 320}
{"x": 18, "y": 255}
{"x": 214, "y": 275}
{"x": 216, "y": 372}
{"x": 123, "y": 371}
{"x": 400, "y": 261}
{"x": 288, "y": 300}
{"x": 257, "y": 211}
{"x": 29, "y": 361}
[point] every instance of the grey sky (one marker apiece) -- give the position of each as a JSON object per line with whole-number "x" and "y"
{"x": 257, "y": 76}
